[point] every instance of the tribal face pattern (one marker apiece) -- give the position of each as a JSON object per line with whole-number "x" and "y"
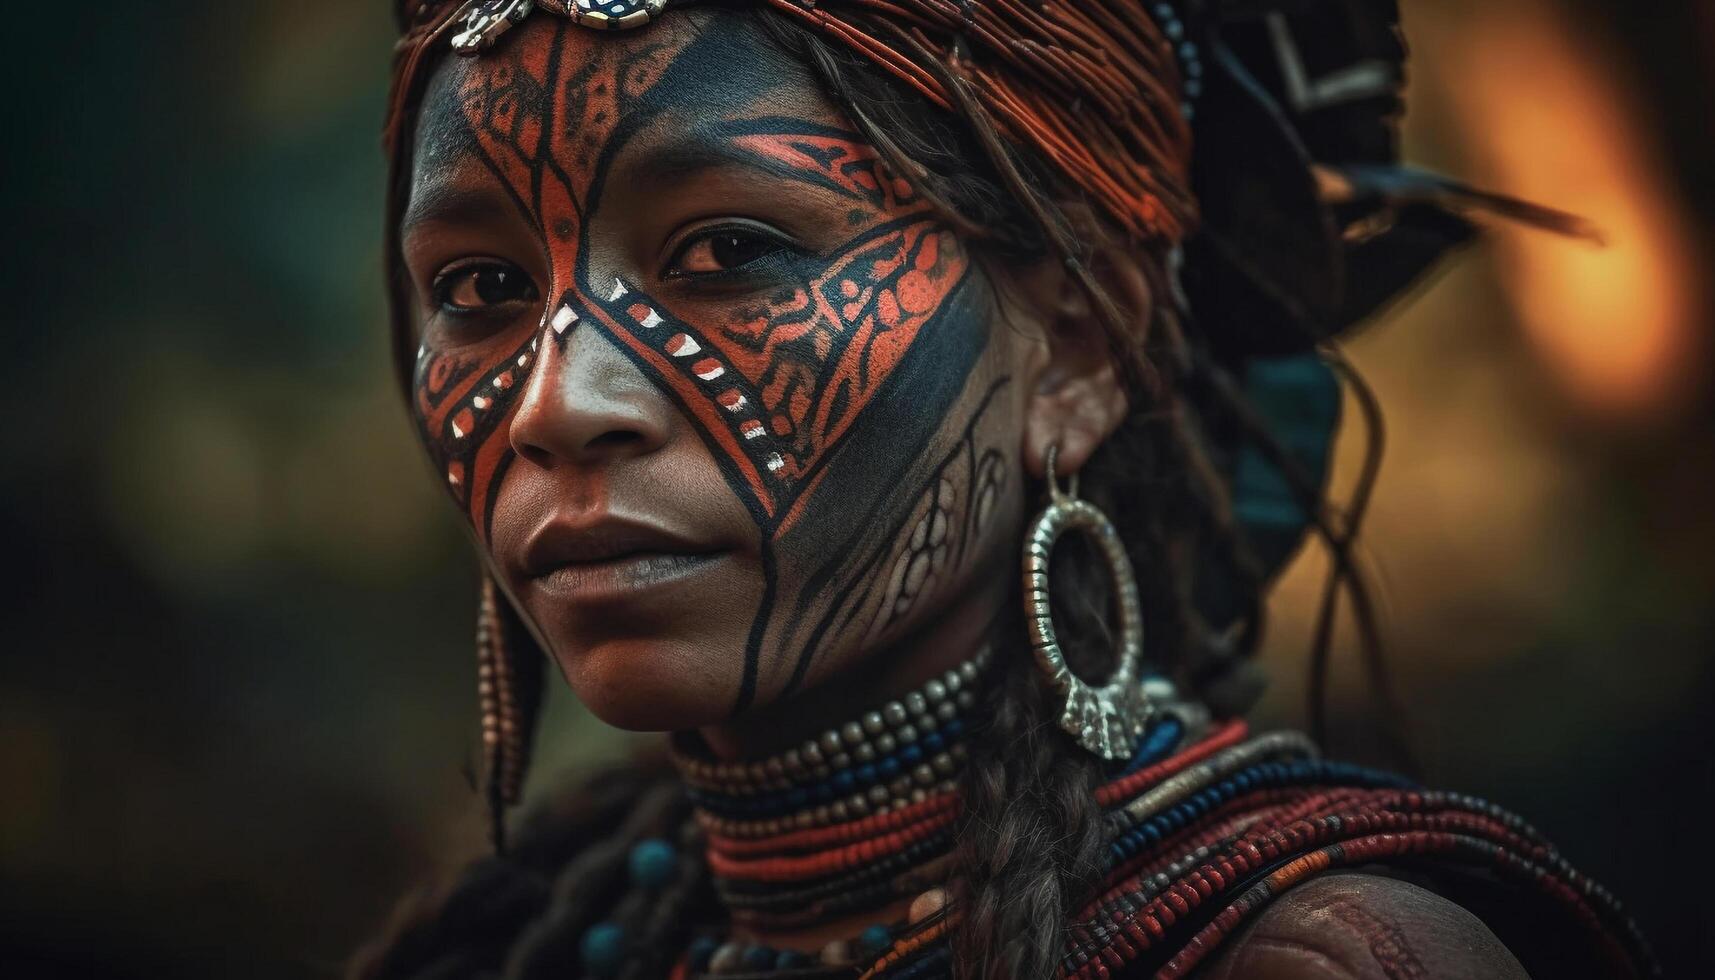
{"x": 775, "y": 386}
{"x": 520, "y": 110}
{"x": 843, "y": 375}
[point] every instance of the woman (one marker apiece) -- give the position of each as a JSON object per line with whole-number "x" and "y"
{"x": 756, "y": 341}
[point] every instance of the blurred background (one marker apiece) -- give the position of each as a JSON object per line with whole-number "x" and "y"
{"x": 237, "y": 701}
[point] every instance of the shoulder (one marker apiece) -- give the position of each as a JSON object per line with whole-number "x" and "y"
{"x": 1363, "y": 927}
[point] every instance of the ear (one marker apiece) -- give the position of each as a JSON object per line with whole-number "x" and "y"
{"x": 1077, "y": 399}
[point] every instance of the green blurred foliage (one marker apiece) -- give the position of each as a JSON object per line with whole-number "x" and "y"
{"x": 236, "y": 707}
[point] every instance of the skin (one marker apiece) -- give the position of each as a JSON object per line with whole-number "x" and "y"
{"x": 742, "y": 430}
{"x": 1363, "y": 927}
{"x": 716, "y": 489}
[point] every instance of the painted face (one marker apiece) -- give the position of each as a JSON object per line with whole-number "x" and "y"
{"x": 718, "y": 393}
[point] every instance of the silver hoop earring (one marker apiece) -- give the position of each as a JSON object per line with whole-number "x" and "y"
{"x": 1106, "y": 720}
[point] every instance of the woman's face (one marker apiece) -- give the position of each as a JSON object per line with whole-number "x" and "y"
{"x": 727, "y": 408}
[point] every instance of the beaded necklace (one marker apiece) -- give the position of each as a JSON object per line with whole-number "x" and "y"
{"x": 1206, "y": 825}
{"x": 850, "y": 821}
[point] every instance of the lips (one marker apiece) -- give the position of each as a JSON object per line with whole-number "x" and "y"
{"x": 605, "y": 542}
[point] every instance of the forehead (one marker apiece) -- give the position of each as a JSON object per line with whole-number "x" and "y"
{"x": 712, "y": 63}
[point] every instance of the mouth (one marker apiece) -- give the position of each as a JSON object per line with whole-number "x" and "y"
{"x": 618, "y": 577}
{"x": 610, "y": 559}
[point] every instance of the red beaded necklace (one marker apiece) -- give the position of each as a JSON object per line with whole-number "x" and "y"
{"x": 1201, "y": 840}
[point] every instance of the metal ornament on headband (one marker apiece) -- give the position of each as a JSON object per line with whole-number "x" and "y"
{"x": 1094, "y": 87}
{"x": 485, "y": 21}
{"x": 614, "y": 15}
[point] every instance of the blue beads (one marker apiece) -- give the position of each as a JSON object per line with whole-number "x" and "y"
{"x": 839, "y": 784}
{"x": 930, "y": 964}
{"x": 1161, "y": 739}
{"x": 708, "y": 955}
{"x": 702, "y": 950}
{"x": 1296, "y": 772}
{"x": 603, "y": 949}
{"x": 875, "y": 940}
{"x": 1190, "y": 59}
{"x": 652, "y": 863}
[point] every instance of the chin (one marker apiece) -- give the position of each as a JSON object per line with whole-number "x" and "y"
{"x": 654, "y": 684}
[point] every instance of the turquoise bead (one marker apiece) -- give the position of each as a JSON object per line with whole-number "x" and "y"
{"x": 701, "y": 951}
{"x": 876, "y": 939}
{"x": 653, "y": 862}
{"x": 603, "y": 949}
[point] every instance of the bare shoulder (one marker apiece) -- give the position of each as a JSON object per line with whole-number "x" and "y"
{"x": 1364, "y": 927}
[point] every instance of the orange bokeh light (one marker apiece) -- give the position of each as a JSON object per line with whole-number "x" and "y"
{"x": 1543, "y": 117}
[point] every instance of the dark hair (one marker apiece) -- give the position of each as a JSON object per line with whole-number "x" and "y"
{"x": 1030, "y": 840}
{"x": 1031, "y": 836}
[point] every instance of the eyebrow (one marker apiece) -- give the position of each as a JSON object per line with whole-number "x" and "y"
{"x": 708, "y": 145}
{"x": 448, "y": 201}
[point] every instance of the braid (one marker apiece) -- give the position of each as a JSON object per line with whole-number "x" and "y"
{"x": 1030, "y": 840}
{"x": 593, "y": 887}
{"x": 666, "y": 924}
{"x": 523, "y": 915}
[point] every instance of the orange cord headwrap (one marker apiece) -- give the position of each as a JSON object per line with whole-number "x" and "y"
{"x": 1091, "y": 86}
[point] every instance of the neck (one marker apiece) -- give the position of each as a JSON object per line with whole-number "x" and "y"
{"x": 830, "y": 826}
{"x": 879, "y": 675}
{"x": 833, "y": 818}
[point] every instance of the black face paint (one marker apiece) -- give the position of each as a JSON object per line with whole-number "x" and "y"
{"x": 836, "y": 390}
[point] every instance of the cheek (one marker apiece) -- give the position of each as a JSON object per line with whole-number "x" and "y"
{"x": 462, "y": 399}
{"x": 791, "y": 379}
{"x": 919, "y": 509}
{"x": 961, "y": 532}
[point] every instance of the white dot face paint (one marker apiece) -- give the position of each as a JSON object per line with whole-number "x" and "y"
{"x": 564, "y": 319}
{"x": 857, "y": 361}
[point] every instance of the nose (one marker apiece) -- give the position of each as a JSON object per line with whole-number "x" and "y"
{"x": 586, "y": 403}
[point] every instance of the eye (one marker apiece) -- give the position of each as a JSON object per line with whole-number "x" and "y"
{"x": 725, "y": 250}
{"x": 479, "y": 285}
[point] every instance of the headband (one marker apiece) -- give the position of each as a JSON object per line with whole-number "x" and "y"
{"x": 1091, "y": 86}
